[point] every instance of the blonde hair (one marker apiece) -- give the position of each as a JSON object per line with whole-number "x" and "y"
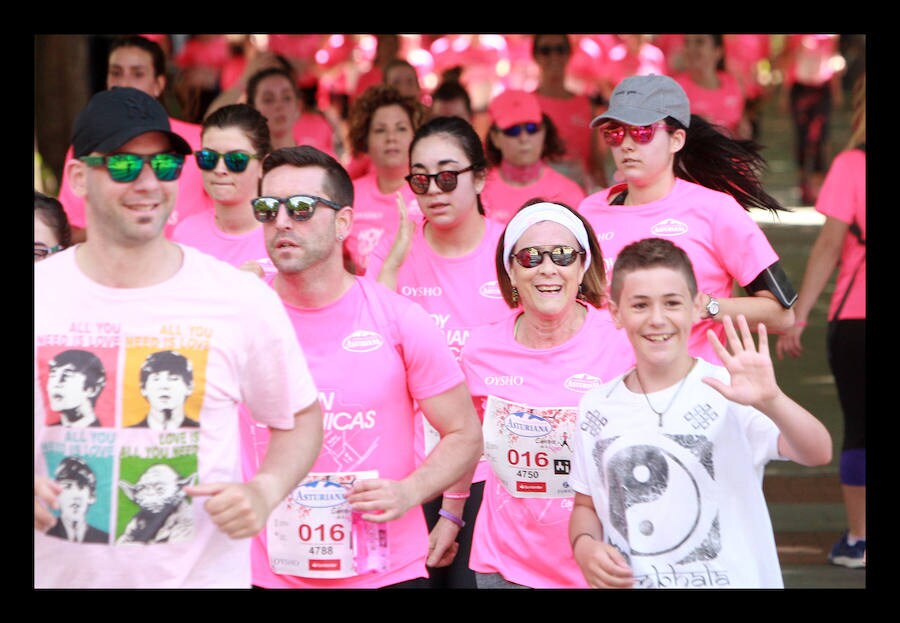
{"x": 858, "y": 121}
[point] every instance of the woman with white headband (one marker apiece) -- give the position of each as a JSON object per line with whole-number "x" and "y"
{"x": 527, "y": 374}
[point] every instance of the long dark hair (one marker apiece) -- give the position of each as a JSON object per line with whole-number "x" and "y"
{"x": 717, "y": 161}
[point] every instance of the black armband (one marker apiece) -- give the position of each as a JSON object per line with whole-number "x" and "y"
{"x": 775, "y": 281}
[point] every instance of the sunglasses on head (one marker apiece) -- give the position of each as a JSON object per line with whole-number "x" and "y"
{"x": 562, "y": 255}
{"x": 445, "y": 180}
{"x": 614, "y": 134}
{"x": 235, "y": 161}
{"x": 299, "y": 207}
{"x": 547, "y": 50}
{"x": 515, "y": 130}
{"x": 41, "y": 250}
{"x": 127, "y": 167}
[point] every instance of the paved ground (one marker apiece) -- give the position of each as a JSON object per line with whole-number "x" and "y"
{"x": 808, "y": 517}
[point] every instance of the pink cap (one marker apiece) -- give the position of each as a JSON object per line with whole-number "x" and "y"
{"x": 514, "y": 107}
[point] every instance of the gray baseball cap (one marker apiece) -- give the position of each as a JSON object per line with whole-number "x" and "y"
{"x": 642, "y": 100}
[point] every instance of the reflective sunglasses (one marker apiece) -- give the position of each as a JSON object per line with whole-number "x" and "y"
{"x": 562, "y": 255}
{"x": 127, "y": 167}
{"x": 445, "y": 180}
{"x": 643, "y": 134}
{"x": 299, "y": 207}
{"x": 546, "y": 50}
{"x": 41, "y": 250}
{"x": 235, "y": 161}
{"x": 514, "y": 130}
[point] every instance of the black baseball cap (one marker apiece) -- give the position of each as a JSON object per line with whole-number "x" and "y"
{"x": 117, "y": 115}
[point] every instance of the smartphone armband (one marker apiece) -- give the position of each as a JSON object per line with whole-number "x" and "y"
{"x": 775, "y": 281}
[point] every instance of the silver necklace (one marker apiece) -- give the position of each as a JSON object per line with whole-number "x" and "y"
{"x": 674, "y": 397}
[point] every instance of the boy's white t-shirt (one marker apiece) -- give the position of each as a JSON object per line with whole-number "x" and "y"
{"x": 683, "y": 501}
{"x": 234, "y": 331}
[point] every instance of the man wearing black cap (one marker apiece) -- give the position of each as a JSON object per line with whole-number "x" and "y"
{"x": 128, "y": 291}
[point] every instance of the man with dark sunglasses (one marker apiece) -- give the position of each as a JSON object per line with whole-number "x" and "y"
{"x": 138, "y": 62}
{"x": 129, "y": 292}
{"x": 375, "y": 354}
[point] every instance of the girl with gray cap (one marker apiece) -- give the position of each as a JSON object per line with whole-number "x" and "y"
{"x": 686, "y": 180}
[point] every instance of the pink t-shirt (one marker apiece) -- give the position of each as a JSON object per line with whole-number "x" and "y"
{"x": 648, "y": 60}
{"x": 743, "y": 54}
{"x": 375, "y": 216}
{"x": 200, "y": 231}
{"x": 722, "y": 106}
{"x": 843, "y": 196}
{"x": 811, "y": 58}
{"x": 312, "y": 128}
{"x": 725, "y": 244}
{"x": 501, "y": 200}
{"x": 372, "y": 353}
{"x": 191, "y": 199}
{"x": 526, "y": 539}
{"x": 459, "y": 293}
{"x": 207, "y": 313}
{"x": 572, "y": 117}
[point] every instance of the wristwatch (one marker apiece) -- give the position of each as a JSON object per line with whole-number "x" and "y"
{"x": 712, "y": 307}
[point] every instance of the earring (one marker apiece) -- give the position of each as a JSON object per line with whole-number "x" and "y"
{"x": 515, "y": 295}
{"x": 340, "y": 237}
{"x": 580, "y": 294}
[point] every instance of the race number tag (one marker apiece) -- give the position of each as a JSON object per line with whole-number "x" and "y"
{"x": 530, "y": 448}
{"x": 313, "y": 533}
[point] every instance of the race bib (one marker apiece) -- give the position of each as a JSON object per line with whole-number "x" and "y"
{"x": 530, "y": 448}
{"x": 313, "y": 533}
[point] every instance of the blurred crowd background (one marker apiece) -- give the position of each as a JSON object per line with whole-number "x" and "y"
{"x": 332, "y": 69}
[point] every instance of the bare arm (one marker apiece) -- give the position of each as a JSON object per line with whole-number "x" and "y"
{"x": 804, "y": 439}
{"x": 452, "y": 462}
{"x": 602, "y": 565}
{"x": 762, "y": 307}
{"x": 241, "y": 509}
{"x": 823, "y": 257}
{"x": 400, "y": 249}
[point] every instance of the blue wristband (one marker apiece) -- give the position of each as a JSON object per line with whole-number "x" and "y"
{"x": 448, "y": 515}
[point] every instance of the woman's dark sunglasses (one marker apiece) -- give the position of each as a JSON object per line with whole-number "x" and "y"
{"x": 445, "y": 180}
{"x": 235, "y": 161}
{"x": 515, "y": 130}
{"x": 562, "y": 255}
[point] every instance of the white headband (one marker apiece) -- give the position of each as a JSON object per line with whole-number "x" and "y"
{"x": 526, "y": 217}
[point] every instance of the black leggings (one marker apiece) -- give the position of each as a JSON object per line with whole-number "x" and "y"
{"x": 846, "y": 348}
{"x": 811, "y": 113}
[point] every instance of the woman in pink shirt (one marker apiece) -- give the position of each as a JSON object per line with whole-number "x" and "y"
{"x": 273, "y": 92}
{"x": 448, "y": 270}
{"x": 527, "y": 373}
{"x": 235, "y": 141}
{"x": 689, "y": 182}
{"x": 571, "y": 113}
{"x": 842, "y": 243}
{"x": 520, "y": 142}
{"x": 381, "y": 125}
{"x": 715, "y": 94}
